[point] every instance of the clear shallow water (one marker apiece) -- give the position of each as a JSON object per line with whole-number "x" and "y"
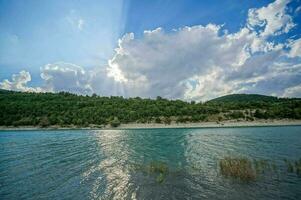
{"x": 102, "y": 164}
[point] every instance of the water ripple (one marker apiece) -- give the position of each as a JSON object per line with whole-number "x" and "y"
{"x": 115, "y": 164}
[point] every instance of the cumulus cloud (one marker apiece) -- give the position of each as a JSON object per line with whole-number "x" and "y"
{"x": 272, "y": 19}
{"x": 19, "y": 83}
{"x": 295, "y": 50}
{"x": 193, "y": 63}
{"x": 161, "y": 62}
{"x": 66, "y": 77}
{"x": 293, "y": 91}
{"x": 202, "y": 62}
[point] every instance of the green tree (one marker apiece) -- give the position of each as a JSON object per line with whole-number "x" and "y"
{"x": 115, "y": 122}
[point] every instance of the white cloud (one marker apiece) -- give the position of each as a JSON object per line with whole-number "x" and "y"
{"x": 115, "y": 72}
{"x": 298, "y": 9}
{"x": 19, "y": 83}
{"x": 207, "y": 86}
{"x": 200, "y": 63}
{"x": 272, "y": 19}
{"x": 295, "y": 50}
{"x": 80, "y": 24}
{"x": 66, "y": 77}
{"x": 162, "y": 62}
{"x": 293, "y": 91}
{"x": 75, "y": 20}
{"x": 193, "y": 63}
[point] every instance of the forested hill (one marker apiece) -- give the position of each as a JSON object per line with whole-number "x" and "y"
{"x": 65, "y": 109}
{"x": 248, "y": 98}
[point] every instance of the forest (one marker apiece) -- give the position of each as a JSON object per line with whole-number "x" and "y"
{"x": 65, "y": 109}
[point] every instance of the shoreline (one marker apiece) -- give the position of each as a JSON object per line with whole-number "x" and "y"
{"x": 212, "y": 124}
{"x": 222, "y": 124}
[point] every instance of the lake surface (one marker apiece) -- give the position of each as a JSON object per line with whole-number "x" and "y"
{"x": 110, "y": 164}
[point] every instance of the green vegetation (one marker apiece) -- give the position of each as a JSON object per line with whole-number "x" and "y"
{"x": 238, "y": 98}
{"x": 240, "y": 168}
{"x": 245, "y": 169}
{"x": 293, "y": 166}
{"x": 157, "y": 168}
{"x": 115, "y": 122}
{"x": 66, "y": 109}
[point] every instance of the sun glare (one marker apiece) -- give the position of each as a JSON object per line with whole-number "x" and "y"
{"x": 115, "y": 72}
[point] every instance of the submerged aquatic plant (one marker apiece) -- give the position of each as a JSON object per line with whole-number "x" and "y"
{"x": 157, "y": 168}
{"x": 249, "y": 170}
{"x": 240, "y": 168}
{"x": 246, "y": 169}
{"x": 298, "y": 167}
{"x": 160, "y": 178}
{"x": 293, "y": 166}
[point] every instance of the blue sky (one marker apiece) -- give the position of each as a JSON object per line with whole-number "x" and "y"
{"x": 34, "y": 33}
{"x": 85, "y": 34}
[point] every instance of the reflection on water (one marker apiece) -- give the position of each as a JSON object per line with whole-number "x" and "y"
{"x": 115, "y": 150}
{"x": 144, "y": 164}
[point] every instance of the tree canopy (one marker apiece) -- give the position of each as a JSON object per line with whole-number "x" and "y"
{"x": 64, "y": 109}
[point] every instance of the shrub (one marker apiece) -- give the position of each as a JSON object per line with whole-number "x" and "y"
{"x": 167, "y": 120}
{"x": 260, "y": 114}
{"x": 115, "y": 122}
{"x": 158, "y": 120}
{"x": 44, "y": 122}
{"x": 236, "y": 115}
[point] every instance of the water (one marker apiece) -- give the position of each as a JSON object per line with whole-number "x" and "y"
{"x": 108, "y": 164}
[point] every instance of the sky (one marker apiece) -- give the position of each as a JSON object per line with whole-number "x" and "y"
{"x": 177, "y": 49}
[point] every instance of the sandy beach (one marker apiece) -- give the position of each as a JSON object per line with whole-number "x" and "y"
{"x": 222, "y": 124}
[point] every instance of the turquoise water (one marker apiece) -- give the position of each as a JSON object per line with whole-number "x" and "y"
{"x": 109, "y": 164}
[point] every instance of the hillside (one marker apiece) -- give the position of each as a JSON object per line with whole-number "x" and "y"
{"x": 247, "y": 98}
{"x": 65, "y": 109}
